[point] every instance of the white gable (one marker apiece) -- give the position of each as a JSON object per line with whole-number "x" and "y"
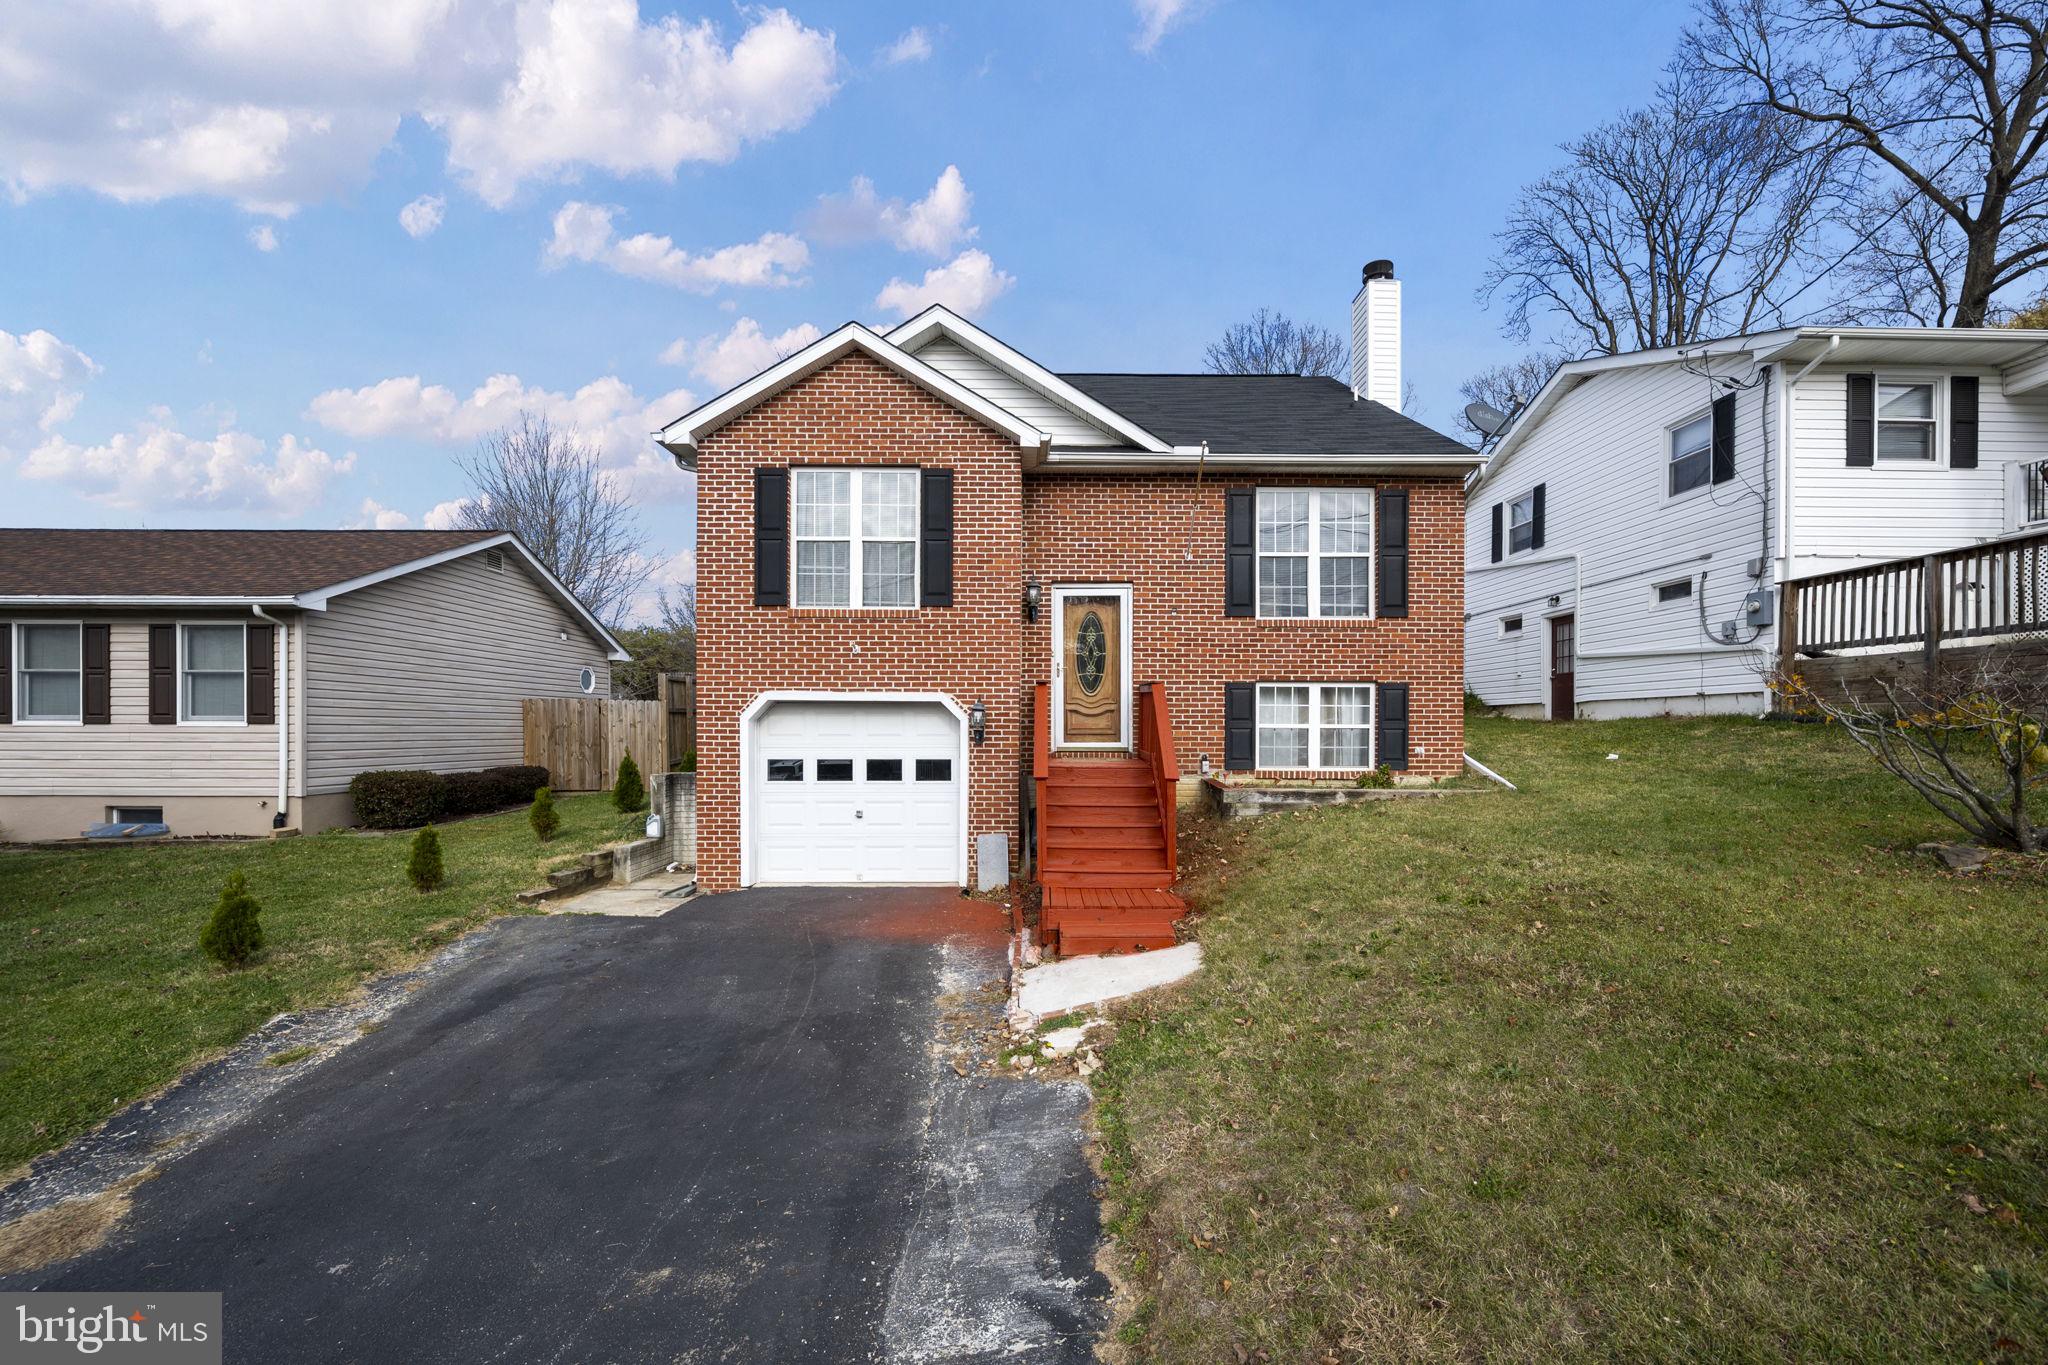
{"x": 956, "y": 362}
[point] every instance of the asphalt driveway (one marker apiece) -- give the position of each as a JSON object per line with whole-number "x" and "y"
{"x": 721, "y": 1134}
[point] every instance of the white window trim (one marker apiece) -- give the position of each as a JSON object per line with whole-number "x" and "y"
{"x": 19, "y": 693}
{"x": 1315, "y": 727}
{"x": 1516, "y": 629}
{"x": 1507, "y": 525}
{"x": 1657, "y": 591}
{"x": 1671, "y": 454}
{"x": 1937, "y": 405}
{"x": 184, "y": 716}
{"x": 854, "y": 540}
{"x": 1315, "y": 554}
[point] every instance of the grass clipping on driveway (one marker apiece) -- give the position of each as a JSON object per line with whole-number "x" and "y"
{"x": 1685, "y": 1055}
{"x": 108, "y": 995}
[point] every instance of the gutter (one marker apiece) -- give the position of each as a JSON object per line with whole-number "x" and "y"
{"x": 284, "y": 710}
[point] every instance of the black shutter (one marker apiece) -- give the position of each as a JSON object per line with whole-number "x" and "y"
{"x": 1393, "y": 566}
{"x": 771, "y": 538}
{"x": 1240, "y": 727}
{"x": 937, "y": 544}
{"x": 163, "y": 675}
{"x": 96, "y": 659}
{"x": 1962, "y": 422}
{"x": 1724, "y": 438}
{"x": 6, "y": 673}
{"x": 1392, "y": 705}
{"x": 1497, "y": 541}
{"x": 261, "y": 677}
{"x": 1862, "y": 419}
{"x": 1536, "y": 520}
{"x": 1240, "y": 559}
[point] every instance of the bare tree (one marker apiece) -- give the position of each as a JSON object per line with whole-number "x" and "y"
{"x": 1674, "y": 223}
{"x": 668, "y": 644}
{"x": 1946, "y": 100}
{"x": 546, "y": 486}
{"x": 1507, "y": 388}
{"x": 1273, "y": 343}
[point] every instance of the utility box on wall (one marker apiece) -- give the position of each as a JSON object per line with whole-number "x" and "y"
{"x": 1757, "y": 608}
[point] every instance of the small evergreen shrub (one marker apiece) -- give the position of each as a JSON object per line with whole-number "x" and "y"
{"x": 398, "y": 798}
{"x": 686, "y": 764}
{"x": 1382, "y": 776}
{"x": 233, "y": 933}
{"x": 423, "y": 869}
{"x": 630, "y": 792}
{"x": 543, "y": 816}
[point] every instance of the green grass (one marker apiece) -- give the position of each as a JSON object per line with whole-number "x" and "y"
{"x": 1682, "y": 1056}
{"x": 108, "y": 996}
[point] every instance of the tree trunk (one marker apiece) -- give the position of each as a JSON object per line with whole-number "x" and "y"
{"x": 1973, "y": 300}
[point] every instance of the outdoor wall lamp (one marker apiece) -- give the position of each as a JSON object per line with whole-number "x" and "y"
{"x": 977, "y": 723}
{"x": 1555, "y": 599}
{"x": 1205, "y": 765}
{"x": 1033, "y": 595}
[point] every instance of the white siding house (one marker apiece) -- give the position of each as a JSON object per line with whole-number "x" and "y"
{"x": 1643, "y": 578}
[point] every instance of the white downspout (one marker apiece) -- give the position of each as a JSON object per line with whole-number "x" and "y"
{"x": 284, "y": 709}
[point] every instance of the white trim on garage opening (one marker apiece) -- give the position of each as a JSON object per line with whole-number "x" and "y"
{"x": 748, "y": 778}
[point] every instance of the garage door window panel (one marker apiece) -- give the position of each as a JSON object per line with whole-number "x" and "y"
{"x": 785, "y": 770}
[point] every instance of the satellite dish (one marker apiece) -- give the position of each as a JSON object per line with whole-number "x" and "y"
{"x": 1485, "y": 418}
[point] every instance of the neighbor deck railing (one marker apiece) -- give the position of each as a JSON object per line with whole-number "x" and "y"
{"x": 1999, "y": 587}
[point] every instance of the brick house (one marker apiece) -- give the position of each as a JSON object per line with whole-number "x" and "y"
{"x": 945, "y": 593}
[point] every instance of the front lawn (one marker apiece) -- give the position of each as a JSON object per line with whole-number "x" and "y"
{"x": 1682, "y": 1055}
{"x": 108, "y": 996}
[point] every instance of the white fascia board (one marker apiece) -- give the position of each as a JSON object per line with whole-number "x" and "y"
{"x": 1192, "y": 458}
{"x": 138, "y": 600}
{"x": 680, "y": 437}
{"x": 2026, "y": 374}
{"x": 318, "y": 598}
{"x": 938, "y": 319}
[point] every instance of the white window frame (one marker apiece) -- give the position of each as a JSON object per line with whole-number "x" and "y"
{"x": 1507, "y": 530}
{"x": 854, "y": 540}
{"x": 18, "y": 684}
{"x": 1671, "y": 455}
{"x": 1657, "y": 598}
{"x": 1516, "y": 628}
{"x": 1936, "y": 422}
{"x": 1315, "y": 555}
{"x": 1315, "y": 727}
{"x": 185, "y": 716}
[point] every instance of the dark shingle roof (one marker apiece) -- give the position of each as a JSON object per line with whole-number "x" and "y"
{"x": 1263, "y": 414}
{"x": 62, "y": 563}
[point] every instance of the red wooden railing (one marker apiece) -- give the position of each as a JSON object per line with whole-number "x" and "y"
{"x": 1041, "y": 769}
{"x": 1155, "y": 745}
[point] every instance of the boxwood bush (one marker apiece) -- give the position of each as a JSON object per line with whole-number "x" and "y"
{"x": 474, "y": 793}
{"x": 518, "y": 782}
{"x": 398, "y": 798}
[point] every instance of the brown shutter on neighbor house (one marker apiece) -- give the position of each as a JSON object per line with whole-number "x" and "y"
{"x": 1862, "y": 420}
{"x": 1962, "y": 422}
{"x": 1240, "y": 558}
{"x": 262, "y": 675}
{"x": 1393, "y": 565}
{"x": 771, "y": 537}
{"x": 1391, "y": 703}
{"x": 6, "y": 673}
{"x": 163, "y": 675}
{"x": 1240, "y": 727}
{"x": 1724, "y": 438}
{"x": 96, "y": 674}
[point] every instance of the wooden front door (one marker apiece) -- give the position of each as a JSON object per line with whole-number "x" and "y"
{"x": 1090, "y": 648}
{"x": 1563, "y": 701}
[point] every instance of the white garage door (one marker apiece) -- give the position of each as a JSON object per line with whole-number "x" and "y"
{"x": 856, "y": 792}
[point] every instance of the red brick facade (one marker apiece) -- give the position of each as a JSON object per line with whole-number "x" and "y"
{"x": 1163, "y": 534}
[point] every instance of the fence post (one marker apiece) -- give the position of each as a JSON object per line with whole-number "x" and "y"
{"x": 1788, "y": 628}
{"x": 1930, "y": 649}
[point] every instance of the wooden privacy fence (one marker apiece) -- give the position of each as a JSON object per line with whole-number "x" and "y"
{"x": 679, "y": 695}
{"x": 580, "y": 740}
{"x": 1996, "y": 589}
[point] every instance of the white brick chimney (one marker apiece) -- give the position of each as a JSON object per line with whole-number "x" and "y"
{"x": 1376, "y": 336}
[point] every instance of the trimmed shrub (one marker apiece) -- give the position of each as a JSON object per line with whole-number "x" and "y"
{"x": 686, "y": 764}
{"x": 543, "y": 816}
{"x": 1382, "y": 776}
{"x": 398, "y": 798}
{"x": 517, "y": 782}
{"x": 423, "y": 869}
{"x": 630, "y": 792}
{"x": 233, "y": 933}
{"x": 474, "y": 793}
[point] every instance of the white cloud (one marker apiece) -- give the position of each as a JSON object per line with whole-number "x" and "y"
{"x": 263, "y": 237}
{"x": 967, "y": 284}
{"x": 583, "y": 232}
{"x": 41, "y": 383}
{"x": 274, "y": 105}
{"x": 743, "y": 352}
{"x": 155, "y": 467}
{"x": 933, "y": 225}
{"x": 606, "y": 411}
{"x": 374, "y": 515}
{"x": 422, "y": 215}
{"x": 914, "y": 46}
{"x": 1155, "y": 17}
{"x": 446, "y": 516}
{"x": 672, "y": 574}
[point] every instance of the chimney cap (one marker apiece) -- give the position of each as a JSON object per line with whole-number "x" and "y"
{"x": 1378, "y": 270}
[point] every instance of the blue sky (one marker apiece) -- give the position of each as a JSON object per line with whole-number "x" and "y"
{"x": 1129, "y": 178}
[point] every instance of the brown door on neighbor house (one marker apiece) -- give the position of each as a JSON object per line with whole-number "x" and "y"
{"x": 1091, "y": 668}
{"x": 1563, "y": 703}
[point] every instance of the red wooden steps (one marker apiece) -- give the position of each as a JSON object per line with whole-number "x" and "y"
{"x": 1102, "y": 859}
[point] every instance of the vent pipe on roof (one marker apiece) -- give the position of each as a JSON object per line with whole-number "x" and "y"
{"x": 1376, "y": 336}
